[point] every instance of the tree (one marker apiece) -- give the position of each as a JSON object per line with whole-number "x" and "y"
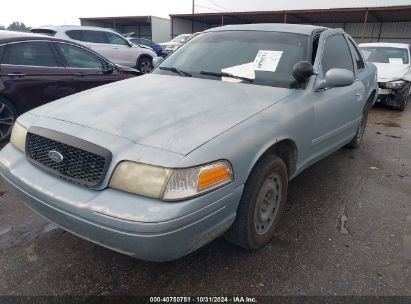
{"x": 18, "y": 26}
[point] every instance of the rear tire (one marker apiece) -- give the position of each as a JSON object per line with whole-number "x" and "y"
{"x": 356, "y": 141}
{"x": 261, "y": 204}
{"x": 8, "y": 115}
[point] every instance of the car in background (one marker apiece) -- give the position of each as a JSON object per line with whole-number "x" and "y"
{"x": 37, "y": 69}
{"x": 107, "y": 42}
{"x": 159, "y": 165}
{"x": 171, "y": 46}
{"x": 147, "y": 42}
{"x": 393, "y": 61}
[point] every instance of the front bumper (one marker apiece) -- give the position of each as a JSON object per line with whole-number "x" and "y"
{"x": 145, "y": 228}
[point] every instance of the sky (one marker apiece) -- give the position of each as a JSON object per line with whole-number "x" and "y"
{"x": 57, "y": 12}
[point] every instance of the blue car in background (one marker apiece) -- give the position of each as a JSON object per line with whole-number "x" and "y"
{"x": 147, "y": 42}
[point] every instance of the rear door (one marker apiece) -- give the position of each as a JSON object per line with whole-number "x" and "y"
{"x": 87, "y": 70}
{"x": 338, "y": 110}
{"x": 32, "y": 74}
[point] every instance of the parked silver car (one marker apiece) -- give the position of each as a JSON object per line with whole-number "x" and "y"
{"x": 157, "y": 166}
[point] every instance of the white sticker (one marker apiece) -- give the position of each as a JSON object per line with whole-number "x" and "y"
{"x": 242, "y": 70}
{"x": 396, "y": 60}
{"x": 267, "y": 60}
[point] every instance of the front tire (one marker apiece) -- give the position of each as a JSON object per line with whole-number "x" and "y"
{"x": 8, "y": 115}
{"x": 261, "y": 204}
{"x": 145, "y": 65}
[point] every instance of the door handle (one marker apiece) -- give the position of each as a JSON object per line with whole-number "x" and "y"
{"x": 16, "y": 74}
{"x": 80, "y": 74}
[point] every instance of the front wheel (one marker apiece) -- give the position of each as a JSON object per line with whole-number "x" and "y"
{"x": 261, "y": 204}
{"x": 145, "y": 65}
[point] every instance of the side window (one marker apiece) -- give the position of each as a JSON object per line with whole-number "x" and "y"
{"x": 76, "y": 35}
{"x": 357, "y": 56}
{"x": 144, "y": 42}
{"x": 76, "y": 57}
{"x": 30, "y": 53}
{"x": 115, "y": 39}
{"x": 336, "y": 54}
{"x": 94, "y": 37}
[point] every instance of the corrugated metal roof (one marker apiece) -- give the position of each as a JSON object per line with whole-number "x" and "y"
{"x": 334, "y": 15}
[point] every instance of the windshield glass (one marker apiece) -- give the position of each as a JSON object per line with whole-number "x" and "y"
{"x": 181, "y": 38}
{"x": 265, "y": 58}
{"x": 385, "y": 55}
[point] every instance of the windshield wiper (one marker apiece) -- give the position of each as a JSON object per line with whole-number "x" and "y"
{"x": 175, "y": 70}
{"x": 224, "y": 74}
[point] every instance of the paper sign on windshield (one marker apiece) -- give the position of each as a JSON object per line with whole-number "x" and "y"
{"x": 243, "y": 70}
{"x": 267, "y": 60}
{"x": 396, "y": 60}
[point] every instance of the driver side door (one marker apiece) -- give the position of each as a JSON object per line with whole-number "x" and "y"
{"x": 338, "y": 110}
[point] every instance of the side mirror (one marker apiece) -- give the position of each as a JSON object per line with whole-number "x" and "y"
{"x": 110, "y": 68}
{"x": 303, "y": 70}
{"x": 339, "y": 78}
{"x": 157, "y": 61}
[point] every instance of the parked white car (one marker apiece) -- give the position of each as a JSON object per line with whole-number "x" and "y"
{"x": 106, "y": 42}
{"x": 393, "y": 61}
{"x": 171, "y": 46}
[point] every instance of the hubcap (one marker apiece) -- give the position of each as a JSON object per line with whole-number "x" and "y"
{"x": 6, "y": 120}
{"x": 268, "y": 201}
{"x": 145, "y": 67}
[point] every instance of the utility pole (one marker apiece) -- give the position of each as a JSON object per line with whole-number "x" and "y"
{"x": 193, "y": 8}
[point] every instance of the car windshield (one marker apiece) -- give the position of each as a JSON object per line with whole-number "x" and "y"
{"x": 180, "y": 39}
{"x": 262, "y": 58}
{"x": 385, "y": 55}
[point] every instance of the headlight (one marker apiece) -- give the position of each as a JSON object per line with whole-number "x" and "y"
{"x": 18, "y": 137}
{"x": 170, "y": 184}
{"x": 395, "y": 84}
{"x": 140, "y": 179}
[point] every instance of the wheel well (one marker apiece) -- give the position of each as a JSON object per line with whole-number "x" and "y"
{"x": 286, "y": 150}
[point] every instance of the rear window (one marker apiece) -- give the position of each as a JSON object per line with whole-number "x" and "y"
{"x": 47, "y": 32}
{"x": 29, "y": 54}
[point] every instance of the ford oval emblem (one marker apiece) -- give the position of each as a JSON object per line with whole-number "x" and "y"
{"x": 55, "y": 156}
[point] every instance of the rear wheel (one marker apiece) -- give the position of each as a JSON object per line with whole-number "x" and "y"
{"x": 261, "y": 204}
{"x": 8, "y": 116}
{"x": 356, "y": 141}
{"x": 145, "y": 65}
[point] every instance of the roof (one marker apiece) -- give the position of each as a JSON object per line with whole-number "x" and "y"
{"x": 386, "y": 44}
{"x": 333, "y": 15}
{"x": 72, "y": 27}
{"x": 271, "y": 27}
{"x": 10, "y": 36}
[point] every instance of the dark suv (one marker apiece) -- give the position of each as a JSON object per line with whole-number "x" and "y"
{"x": 36, "y": 69}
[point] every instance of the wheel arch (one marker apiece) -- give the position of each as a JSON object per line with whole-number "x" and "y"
{"x": 286, "y": 149}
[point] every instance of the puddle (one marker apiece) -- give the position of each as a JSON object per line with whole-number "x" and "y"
{"x": 342, "y": 221}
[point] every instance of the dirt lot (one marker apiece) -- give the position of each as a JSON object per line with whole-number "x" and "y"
{"x": 346, "y": 231}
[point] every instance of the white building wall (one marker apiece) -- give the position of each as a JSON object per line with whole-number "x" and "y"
{"x": 160, "y": 29}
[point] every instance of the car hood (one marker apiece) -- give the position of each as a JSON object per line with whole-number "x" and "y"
{"x": 172, "y": 113}
{"x": 390, "y": 72}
